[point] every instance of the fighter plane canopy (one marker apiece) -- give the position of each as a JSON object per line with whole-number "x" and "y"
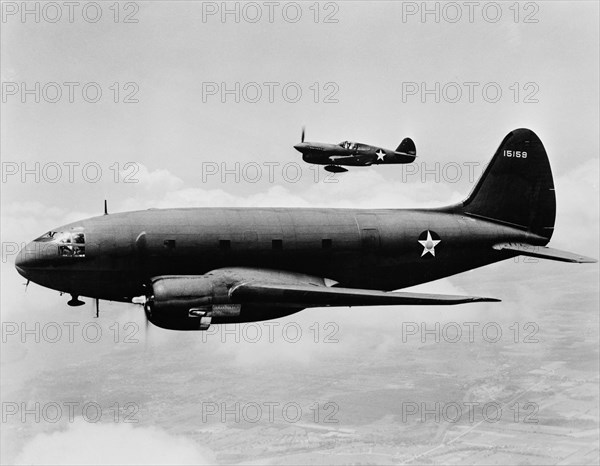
{"x": 348, "y": 145}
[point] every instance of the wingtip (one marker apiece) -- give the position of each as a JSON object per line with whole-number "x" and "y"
{"x": 582, "y": 260}
{"x": 483, "y": 299}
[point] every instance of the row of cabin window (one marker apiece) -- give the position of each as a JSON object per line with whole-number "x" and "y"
{"x": 276, "y": 244}
{"x": 225, "y": 244}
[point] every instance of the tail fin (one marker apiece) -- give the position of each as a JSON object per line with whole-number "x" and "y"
{"x": 407, "y": 146}
{"x": 516, "y": 187}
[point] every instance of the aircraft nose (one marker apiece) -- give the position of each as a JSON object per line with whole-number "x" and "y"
{"x": 19, "y": 258}
{"x": 33, "y": 255}
{"x": 20, "y": 262}
{"x": 300, "y": 147}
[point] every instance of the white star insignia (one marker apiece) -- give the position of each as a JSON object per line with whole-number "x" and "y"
{"x": 429, "y": 244}
{"x": 380, "y": 154}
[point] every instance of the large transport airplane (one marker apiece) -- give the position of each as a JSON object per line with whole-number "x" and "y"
{"x": 191, "y": 268}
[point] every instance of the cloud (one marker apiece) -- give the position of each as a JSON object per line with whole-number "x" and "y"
{"x": 577, "y": 216}
{"x": 24, "y": 220}
{"x": 159, "y": 179}
{"x": 298, "y": 340}
{"x": 366, "y": 189}
{"x": 85, "y": 443}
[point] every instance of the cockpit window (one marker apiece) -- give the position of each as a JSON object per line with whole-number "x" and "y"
{"x": 70, "y": 243}
{"x": 78, "y": 238}
{"x": 46, "y": 237}
{"x": 62, "y": 237}
{"x": 348, "y": 145}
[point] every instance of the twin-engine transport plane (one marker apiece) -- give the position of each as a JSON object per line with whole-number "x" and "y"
{"x": 195, "y": 267}
{"x": 354, "y": 154}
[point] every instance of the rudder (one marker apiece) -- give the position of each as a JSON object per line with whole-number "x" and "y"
{"x": 407, "y": 146}
{"x": 516, "y": 187}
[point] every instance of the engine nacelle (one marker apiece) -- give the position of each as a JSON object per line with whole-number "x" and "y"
{"x": 189, "y": 302}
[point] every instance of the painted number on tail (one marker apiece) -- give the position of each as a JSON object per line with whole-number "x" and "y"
{"x": 515, "y": 153}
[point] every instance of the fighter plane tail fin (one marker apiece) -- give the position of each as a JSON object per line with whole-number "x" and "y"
{"x": 407, "y": 146}
{"x": 516, "y": 187}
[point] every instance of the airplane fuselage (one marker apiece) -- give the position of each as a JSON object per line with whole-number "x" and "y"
{"x": 356, "y": 155}
{"x": 375, "y": 249}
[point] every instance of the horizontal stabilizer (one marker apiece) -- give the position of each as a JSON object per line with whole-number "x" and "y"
{"x": 317, "y": 296}
{"x": 543, "y": 252}
{"x": 407, "y": 146}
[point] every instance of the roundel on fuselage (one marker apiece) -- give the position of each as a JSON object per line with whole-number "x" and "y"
{"x": 429, "y": 240}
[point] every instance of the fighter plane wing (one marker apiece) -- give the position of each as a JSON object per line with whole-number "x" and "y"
{"x": 307, "y": 295}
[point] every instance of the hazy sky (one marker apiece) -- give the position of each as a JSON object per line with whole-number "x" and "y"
{"x": 369, "y": 71}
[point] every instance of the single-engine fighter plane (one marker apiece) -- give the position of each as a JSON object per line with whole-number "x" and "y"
{"x": 354, "y": 154}
{"x": 191, "y": 268}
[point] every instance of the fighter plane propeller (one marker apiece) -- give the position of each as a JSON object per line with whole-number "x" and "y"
{"x": 354, "y": 154}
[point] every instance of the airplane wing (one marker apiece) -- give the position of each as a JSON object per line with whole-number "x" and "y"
{"x": 318, "y": 296}
{"x": 544, "y": 252}
{"x": 340, "y": 157}
{"x": 352, "y": 160}
{"x": 175, "y": 301}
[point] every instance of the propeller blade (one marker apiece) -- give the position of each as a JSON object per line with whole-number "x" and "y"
{"x": 146, "y": 328}
{"x": 146, "y": 325}
{"x": 142, "y": 300}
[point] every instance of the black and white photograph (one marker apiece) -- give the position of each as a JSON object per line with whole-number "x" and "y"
{"x": 300, "y": 232}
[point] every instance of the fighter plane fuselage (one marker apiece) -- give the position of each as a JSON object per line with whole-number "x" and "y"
{"x": 351, "y": 154}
